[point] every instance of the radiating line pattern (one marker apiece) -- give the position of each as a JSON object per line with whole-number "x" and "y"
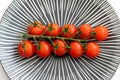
{"x": 95, "y": 12}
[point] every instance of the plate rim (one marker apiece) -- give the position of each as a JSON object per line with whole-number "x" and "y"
{"x": 2, "y": 65}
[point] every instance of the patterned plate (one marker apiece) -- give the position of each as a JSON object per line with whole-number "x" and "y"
{"x": 95, "y": 12}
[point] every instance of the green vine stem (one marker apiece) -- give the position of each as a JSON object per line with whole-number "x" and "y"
{"x": 53, "y": 37}
{"x": 66, "y": 44}
{"x": 51, "y": 41}
{"x": 38, "y": 47}
{"x": 57, "y": 37}
{"x": 21, "y": 37}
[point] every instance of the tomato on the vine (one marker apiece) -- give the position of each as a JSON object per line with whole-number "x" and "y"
{"x": 81, "y": 36}
{"x": 85, "y": 31}
{"x": 92, "y": 50}
{"x": 59, "y": 48}
{"x": 76, "y": 49}
{"x": 43, "y": 49}
{"x": 35, "y": 28}
{"x": 62, "y": 40}
{"x": 52, "y": 30}
{"x": 68, "y": 31}
{"x": 26, "y": 49}
{"x": 101, "y": 33}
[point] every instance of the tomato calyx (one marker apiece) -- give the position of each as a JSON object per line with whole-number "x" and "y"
{"x": 34, "y": 24}
{"x": 93, "y": 33}
{"x": 23, "y": 47}
{"x": 50, "y": 27}
{"x": 65, "y": 30}
{"x": 56, "y": 46}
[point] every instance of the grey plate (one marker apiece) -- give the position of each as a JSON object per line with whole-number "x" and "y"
{"x": 95, "y": 12}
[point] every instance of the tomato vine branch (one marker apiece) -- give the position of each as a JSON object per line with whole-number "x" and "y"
{"x": 57, "y": 37}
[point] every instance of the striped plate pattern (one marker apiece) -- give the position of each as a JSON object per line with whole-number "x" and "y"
{"x": 95, "y": 12}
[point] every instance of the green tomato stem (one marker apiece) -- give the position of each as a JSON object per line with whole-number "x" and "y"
{"x": 51, "y": 41}
{"x": 66, "y": 44}
{"x": 38, "y": 47}
{"x": 93, "y": 33}
{"x": 21, "y": 37}
{"x": 57, "y": 37}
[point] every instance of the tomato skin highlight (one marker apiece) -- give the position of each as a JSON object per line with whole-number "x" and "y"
{"x": 92, "y": 50}
{"x": 28, "y": 50}
{"x": 52, "y": 30}
{"x": 76, "y": 49}
{"x": 69, "y": 32}
{"x": 61, "y": 48}
{"x": 101, "y": 33}
{"x": 45, "y": 49}
{"x": 85, "y": 31}
{"x": 38, "y": 29}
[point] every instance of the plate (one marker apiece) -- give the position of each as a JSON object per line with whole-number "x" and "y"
{"x": 94, "y": 12}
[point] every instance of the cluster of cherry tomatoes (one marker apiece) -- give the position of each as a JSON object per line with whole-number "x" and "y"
{"x": 66, "y": 39}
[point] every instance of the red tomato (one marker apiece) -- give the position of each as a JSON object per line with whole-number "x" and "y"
{"x": 85, "y": 31}
{"x": 52, "y": 30}
{"x": 84, "y": 37}
{"x": 26, "y": 49}
{"x": 35, "y": 28}
{"x": 68, "y": 30}
{"x": 43, "y": 49}
{"x": 76, "y": 49}
{"x": 92, "y": 50}
{"x": 101, "y": 33}
{"x": 59, "y": 47}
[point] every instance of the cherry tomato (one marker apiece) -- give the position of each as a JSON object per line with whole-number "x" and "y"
{"x": 52, "y": 30}
{"x": 92, "y": 50}
{"x": 101, "y": 33}
{"x": 85, "y": 31}
{"x": 84, "y": 37}
{"x": 76, "y": 49}
{"x": 59, "y": 47}
{"x": 43, "y": 49}
{"x": 26, "y": 49}
{"x": 68, "y": 30}
{"x": 35, "y": 28}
